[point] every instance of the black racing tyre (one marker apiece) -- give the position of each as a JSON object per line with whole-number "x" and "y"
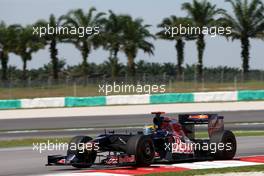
{"x": 85, "y": 158}
{"x": 228, "y": 139}
{"x": 143, "y": 148}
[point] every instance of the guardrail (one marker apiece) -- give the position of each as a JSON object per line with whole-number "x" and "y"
{"x": 245, "y": 95}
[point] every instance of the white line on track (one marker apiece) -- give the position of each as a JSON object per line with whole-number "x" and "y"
{"x": 193, "y": 165}
{"x": 86, "y": 174}
{"x": 101, "y": 128}
{"x": 130, "y": 109}
{"x": 68, "y": 129}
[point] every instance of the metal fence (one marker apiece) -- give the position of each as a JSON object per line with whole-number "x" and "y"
{"x": 85, "y": 86}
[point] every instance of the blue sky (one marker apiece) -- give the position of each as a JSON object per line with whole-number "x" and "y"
{"x": 218, "y": 51}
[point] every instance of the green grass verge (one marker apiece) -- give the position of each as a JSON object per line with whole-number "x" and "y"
{"x": 93, "y": 90}
{"x": 107, "y": 127}
{"x": 204, "y": 134}
{"x": 30, "y": 141}
{"x": 256, "y": 168}
{"x": 136, "y": 125}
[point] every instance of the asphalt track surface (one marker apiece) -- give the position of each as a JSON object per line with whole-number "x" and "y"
{"x": 25, "y": 161}
{"x": 70, "y": 126}
{"x": 119, "y": 120}
{"x": 59, "y": 133}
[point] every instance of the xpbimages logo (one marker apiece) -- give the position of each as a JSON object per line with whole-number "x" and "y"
{"x": 213, "y": 31}
{"x": 190, "y": 147}
{"x": 65, "y": 30}
{"x": 107, "y": 89}
{"x": 62, "y": 146}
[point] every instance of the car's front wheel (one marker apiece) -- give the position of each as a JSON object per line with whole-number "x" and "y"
{"x": 142, "y": 148}
{"x": 84, "y": 158}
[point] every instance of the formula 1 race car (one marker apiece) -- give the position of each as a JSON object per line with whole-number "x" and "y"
{"x": 167, "y": 140}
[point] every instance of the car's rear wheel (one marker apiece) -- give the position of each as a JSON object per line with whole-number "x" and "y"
{"x": 142, "y": 148}
{"x": 84, "y": 157}
{"x": 228, "y": 140}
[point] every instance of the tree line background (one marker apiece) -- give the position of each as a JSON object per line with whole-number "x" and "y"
{"x": 123, "y": 33}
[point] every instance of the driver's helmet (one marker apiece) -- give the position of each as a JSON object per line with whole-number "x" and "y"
{"x": 148, "y": 129}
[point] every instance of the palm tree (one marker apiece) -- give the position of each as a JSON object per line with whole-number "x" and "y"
{"x": 174, "y": 21}
{"x": 7, "y": 41}
{"x": 134, "y": 39}
{"x": 247, "y": 22}
{"x": 112, "y": 39}
{"x": 26, "y": 44}
{"x": 203, "y": 14}
{"x": 4, "y": 49}
{"x": 77, "y": 18}
{"x": 115, "y": 65}
{"x": 52, "y": 41}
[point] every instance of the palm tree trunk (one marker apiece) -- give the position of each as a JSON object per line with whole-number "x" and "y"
{"x": 85, "y": 52}
{"x": 24, "y": 74}
{"x": 4, "y": 61}
{"x": 200, "y": 47}
{"x": 114, "y": 63}
{"x": 115, "y": 53}
{"x": 180, "y": 57}
{"x": 131, "y": 65}
{"x": 245, "y": 44}
{"x": 54, "y": 59}
{"x": 114, "y": 68}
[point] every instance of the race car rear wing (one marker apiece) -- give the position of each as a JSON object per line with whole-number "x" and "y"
{"x": 188, "y": 121}
{"x": 197, "y": 118}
